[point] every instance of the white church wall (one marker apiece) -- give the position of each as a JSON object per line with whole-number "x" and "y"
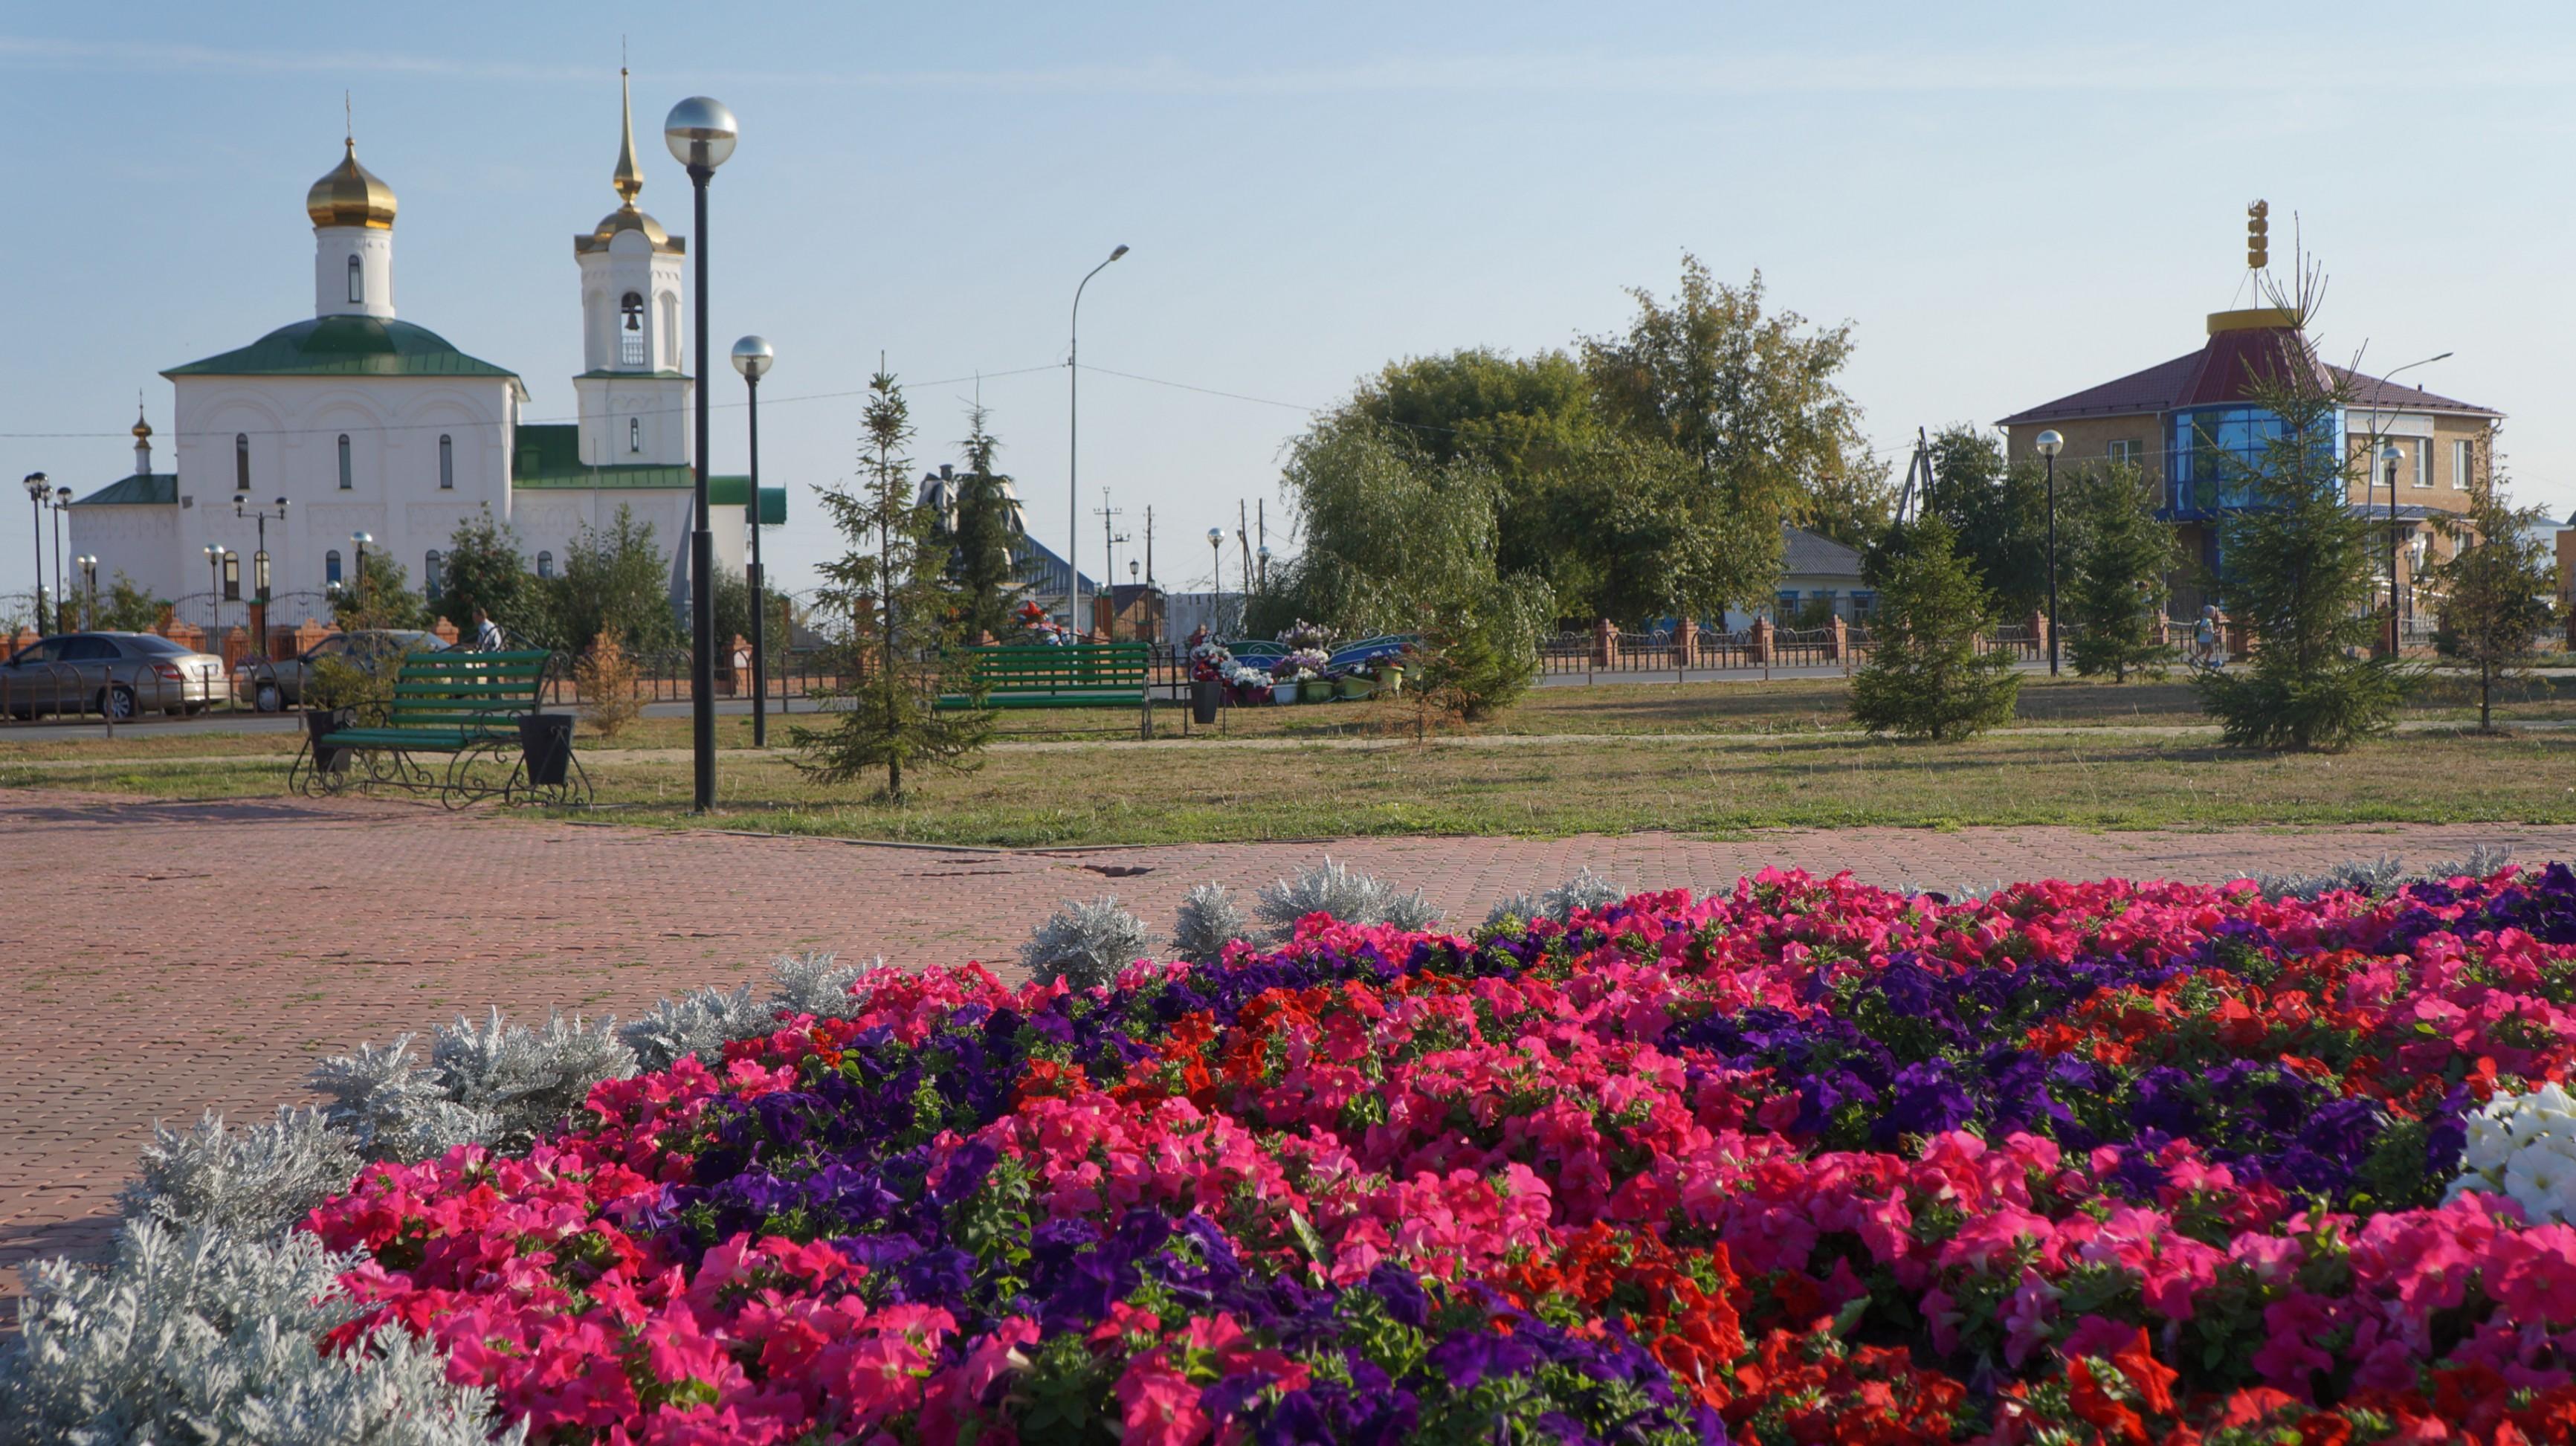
{"x": 141, "y": 541}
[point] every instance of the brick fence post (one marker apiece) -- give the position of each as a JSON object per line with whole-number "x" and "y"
{"x": 1685, "y": 643}
{"x": 186, "y": 635}
{"x": 1605, "y": 643}
{"x": 446, "y": 632}
{"x": 306, "y": 636}
{"x": 1762, "y": 642}
{"x": 1837, "y": 640}
{"x": 2038, "y": 633}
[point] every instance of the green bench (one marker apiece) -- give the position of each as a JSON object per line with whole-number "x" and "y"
{"x": 1084, "y": 675}
{"x": 460, "y": 707}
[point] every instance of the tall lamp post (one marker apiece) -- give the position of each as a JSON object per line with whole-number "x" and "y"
{"x": 36, "y": 498}
{"x": 359, "y": 540}
{"x": 62, "y": 565}
{"x": 2050, "y": 444}
{"x": 751, "y": 357}
{"x": 259, "y": 566}
{"x": 89, "y": 588}
{"x": 214, "y": 589}
{"x": 701, "y": 134}
{"x": 1216, "y": 554}
{"x": 2388, "y": 456}
{"x": 1073, "y": 455}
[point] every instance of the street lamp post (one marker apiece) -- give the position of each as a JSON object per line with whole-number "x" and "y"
{"x": 36, "y": 498}
{"x": 62, "y": 568}
{"x": 214, "y": 589}
{"x": 259, "y": 567}
{"x": 752, "y": 357}
{"x": 1216, "y": 554}
{"x": 1073, "y": 455}
{"x": 701, "y": 134}
{"x": 89, "y": 588}
{"x": 1264, "y": 574}
{"x": 359, "y": 540}
{"x": 2388, "y": 458}
{"x": 2050, "y": 444}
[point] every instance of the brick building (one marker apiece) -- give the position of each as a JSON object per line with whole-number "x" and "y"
{"x": 2192, "y": 424}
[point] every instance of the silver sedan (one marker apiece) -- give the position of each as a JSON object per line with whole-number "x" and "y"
{"x": 116, "y": 674}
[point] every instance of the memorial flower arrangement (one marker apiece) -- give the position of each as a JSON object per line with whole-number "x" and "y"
{"x": 1211, "y": 662}
{"x": 1805, "y": 1162}
{"x": 1301, "y": 664}
{"x": 1303, "y": 636}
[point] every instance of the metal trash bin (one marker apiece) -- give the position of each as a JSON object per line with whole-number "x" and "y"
{"x": 1206, "y": 695}
{"x": 321, "y": 721}
{"x": 545, "y": 745}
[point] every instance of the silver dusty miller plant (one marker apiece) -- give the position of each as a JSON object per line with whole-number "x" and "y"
{"x": 1345, "y": 893}
{"x": 392, "y": 1107}
{"x": 204, "y": 1334}
{"x": 1586, "y": 890}
{"x": 254, "y": 1181}
{"x": 1085, "y": 945}
{"x": 1209, "y": 920}
{"x": 2383, "y": 875}
{"x": 526, "y": 1081}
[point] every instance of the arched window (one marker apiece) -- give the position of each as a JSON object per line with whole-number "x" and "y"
{"x": 331, "y": 567}
{"x": 634, "y": 437}
{"x": 545, "y": 564}
{"x": 232, "y": 577}
{"x": 430, "y": 581}
{"x": 344, "y": 463}
{"x": 446, "y": 462}
{"x": 630, "y": 327}
{"x": 357, "y": 281}
{"x": 241, "y": 461}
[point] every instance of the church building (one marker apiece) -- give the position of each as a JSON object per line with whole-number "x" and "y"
{"x": 368, "y": 431}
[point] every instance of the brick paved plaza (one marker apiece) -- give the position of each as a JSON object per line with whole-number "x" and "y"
{"x": 170, "y": 957}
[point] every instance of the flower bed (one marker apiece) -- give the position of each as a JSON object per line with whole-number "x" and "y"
{"x": 1809, "y": 1162}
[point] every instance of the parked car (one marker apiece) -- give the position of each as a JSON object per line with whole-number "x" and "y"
{"x": 116, "y": 674}
{"x": 273, "y": 687}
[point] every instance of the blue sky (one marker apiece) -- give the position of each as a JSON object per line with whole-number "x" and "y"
{"x": 2008, "y": 201}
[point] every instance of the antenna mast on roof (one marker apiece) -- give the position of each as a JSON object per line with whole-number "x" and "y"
{"x": 1911, "y": 503}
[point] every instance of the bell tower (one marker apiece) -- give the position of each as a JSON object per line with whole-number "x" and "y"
{"x": 633, "y": 390}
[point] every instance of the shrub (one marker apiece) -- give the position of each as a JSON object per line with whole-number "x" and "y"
{"x": 393, "y": 1108}
{"x": 815, "y": 983}
{"x": 1586, "y": 890}
{"x": 525, "y": 1081}
{"x": 1209, "y": 920}
{"x": 205, "y": 1335}
{"x": 606, "y": 678}
{"x": 255, "y": 1181}
{"x": 1346, "y": 894}
{"x": 2116, "y": 584}
{"x": 1925, "y": 677}
{"x": 1085, "y": 945}
{"x": 701, "y": 1022}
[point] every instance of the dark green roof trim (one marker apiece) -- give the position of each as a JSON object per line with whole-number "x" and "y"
{"x": 635, "y": 376}
{"x": 631, "y": 478}
{"x": 352, "y": 346}
{"x": 546, "y": 457}
{"x": 143, "y": 489}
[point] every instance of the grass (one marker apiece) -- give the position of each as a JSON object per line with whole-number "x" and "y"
{"x": 1124, "y": 794}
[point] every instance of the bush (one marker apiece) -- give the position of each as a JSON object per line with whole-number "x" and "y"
{"x": 1480, "y": 649}
{"x": 699, "y": 1023}
{"x": 606, "y": 678}
{"x": 254, "y": 1182}
{"x": 1925, "y": 677}
{"x": 1346, "y": 894}
{"x": 525, "y": 1081}
{"x": 394, "y": 1108}
{"x": 1085, "y": 945}
{"x": 1209, "y": 920}
{"x": 1586, "y": 890}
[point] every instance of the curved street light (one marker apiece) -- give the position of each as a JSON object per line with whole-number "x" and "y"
{"x": 1073, "y": 454}
{"x": 36, "y": 498}
{"x": 2050, "y": 444}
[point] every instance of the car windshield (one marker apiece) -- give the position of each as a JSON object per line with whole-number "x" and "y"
{"x": 159, "y": 646}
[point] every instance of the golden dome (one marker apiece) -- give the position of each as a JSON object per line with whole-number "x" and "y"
{"x": 351, "y": 195}
{"x": 142, "y": 428}
{"x": 625, "y": 218}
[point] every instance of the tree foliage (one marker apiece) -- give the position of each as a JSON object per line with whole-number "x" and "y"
{"x": 615, "y": 580}
{"x": 1999, "y": 513}
{"x": 986, "y": 528}
{"x": 483, "y": 569}
{"x": 1925, "y": 677}
{"x": 894, "y": 580}
{"x": 128, "y": 607}
{"x": 2116, "y": 589}
{"x": 378, "y": 595}
{"x": 2494, "y": 590}
{"x": 2298, "y": 573}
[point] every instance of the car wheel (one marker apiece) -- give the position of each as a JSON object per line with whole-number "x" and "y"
{"x": 117, "y": 702}
{"x": 269, "y": 699}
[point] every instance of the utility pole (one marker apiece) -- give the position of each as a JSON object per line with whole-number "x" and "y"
{"x": 1243, "y": 539}
{"x": 1153, "y": 620}
{"x": 1109, "y": 540}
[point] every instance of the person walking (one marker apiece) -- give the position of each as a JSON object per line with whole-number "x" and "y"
{"x": 487, "y": 633}
{"x": 2204, "y": 637}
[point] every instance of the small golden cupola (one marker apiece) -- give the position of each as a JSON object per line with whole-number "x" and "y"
{"x": 351, "y": 195}
{"x": 628, "y": 180}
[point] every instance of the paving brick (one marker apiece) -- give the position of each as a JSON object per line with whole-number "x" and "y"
{"x": 169, "y": 958}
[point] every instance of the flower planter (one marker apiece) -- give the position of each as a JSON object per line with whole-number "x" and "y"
{"x": 1390, "y": 681}
{"x": 1284, "y": 692}
{"x": 1206, "y": 695}
{"x": 1354, "y": 686}
{"x": 1315, "y": 690}
{"x": 545, "y": 746}
{"x": 321, "y": 721}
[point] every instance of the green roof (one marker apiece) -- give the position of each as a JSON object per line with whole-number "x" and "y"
{"x": 328, "y": 346}
{"x": 140, "y": 490}
{"x": 547, "y": 457}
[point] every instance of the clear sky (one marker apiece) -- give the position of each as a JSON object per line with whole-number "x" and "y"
{"x": 2008, "y": 201}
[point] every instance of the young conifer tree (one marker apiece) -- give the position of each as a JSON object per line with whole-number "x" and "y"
{"x": 2121, "y": 557}
{"x": 987, "y": 525}
{"x": 1925, "y": 677}
{"x": 2298, "y": 567}
{"x": 2494, "y": 591}
{"x": 894, "y": 582}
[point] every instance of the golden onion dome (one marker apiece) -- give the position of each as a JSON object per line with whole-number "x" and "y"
{"x": 351, "y": 195}
{"x": 625, "y": 218}
{"x": 142, "y": 428}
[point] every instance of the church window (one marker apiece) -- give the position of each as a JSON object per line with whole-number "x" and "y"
{"x": 357, "y": 281}
{"x": 446, "y": 462}
{"x": 634, "y": 435}
{"x": 232, "y": 577}
{"x": 344, "y": 463}
{"x": 430, "y": 581}
{"x": 331, "y": 567}
{"x": 241, "y": 461}
{"x": 545, "y": 564}
{"x": 631, "y": 330}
